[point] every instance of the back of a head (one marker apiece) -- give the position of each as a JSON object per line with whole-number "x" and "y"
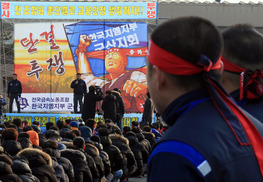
{"x": 91, "y": 89}
{"x": 60, "y": 124}
{"x": 50, "y": 144}
{"x": 104, "y": 132}
{"x": 17, "y": 122}
{"x": 108, "y": 92}
{"x": 9, "y": 134}
{"x": 79, "y": 142}
{"x": 243, "y": 46}
{"x": 189, "y": 38}
{"x": 90, "y": 123}
{"x": 48, "y": 125}
{"x": 23, "y": 134}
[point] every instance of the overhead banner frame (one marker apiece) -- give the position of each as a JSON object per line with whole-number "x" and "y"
{"x": 78, "y": 10}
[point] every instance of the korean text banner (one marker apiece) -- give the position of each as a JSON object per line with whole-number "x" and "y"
{"x": 108, "y": 54}
{"x": 78, "y": 10}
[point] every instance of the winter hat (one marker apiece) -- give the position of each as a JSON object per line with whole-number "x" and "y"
{"x": 74, "y": 124}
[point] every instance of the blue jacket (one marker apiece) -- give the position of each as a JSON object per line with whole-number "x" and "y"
{"x": 14, "y": 87}
{"x": 253, "y": 107}
{"x": 201, "y": 146}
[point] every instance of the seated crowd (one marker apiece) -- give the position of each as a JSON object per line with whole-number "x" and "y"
{"x": 75, "y": 150}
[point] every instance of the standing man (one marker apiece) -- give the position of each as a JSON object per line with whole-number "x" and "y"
{"x": 121, "y": 108}
{"x": 14, "y": 91}
{"x": 147, "y": 115}
{"x": 80, "y": 89}
{"x": 109, "y": 106}
{"x": 90, "y": 102}
{"x": 210, "y": 138}
{"x": 243, "y": 67}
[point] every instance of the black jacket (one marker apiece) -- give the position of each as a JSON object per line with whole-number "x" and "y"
{"x": 11, "y": 147}
{"x": 22, "y": 169}
{"x": 14, "y": 87}
{"x": 80, "y": 88}
{"x": 40, "y": 164}
{"x": 89, "y": 107}
{"x": 109, "y": 106}
{"x": 6, "y": 173}
{"x": 130, "y": 164}
{"x": 78, "y": 159}
{"x": 116, "y": 158}
{"x": 94, "y": 152}
{"x": 121, "y": 107}
{"x": 140, "y": 153}
{"x": 150, "y": 137}
{"x": 147, "y": 114}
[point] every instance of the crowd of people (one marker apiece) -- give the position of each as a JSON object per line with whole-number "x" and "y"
{"x": 206, "y": 85}
{"x": 75, "y": 150}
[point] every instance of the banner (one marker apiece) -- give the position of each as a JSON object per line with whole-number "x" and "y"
{"x": 108, "y": 54}
{"x": 45, "y": 118}
{"x": 78, "y": 10}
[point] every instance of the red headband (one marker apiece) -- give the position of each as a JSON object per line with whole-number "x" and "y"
{"x": 175, "y": 65}
{"x": 244, "y": 84}
{"x": 228, "y": 66}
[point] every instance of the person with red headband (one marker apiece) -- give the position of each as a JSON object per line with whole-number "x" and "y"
{"x": 131, "y": 83}
{"x": 210, "y": 138}
{"x": 243, "y": 66}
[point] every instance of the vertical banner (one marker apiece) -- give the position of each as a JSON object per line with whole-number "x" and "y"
{"x": 108, "y": 54}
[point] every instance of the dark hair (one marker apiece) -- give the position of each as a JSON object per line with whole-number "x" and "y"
{"x": 48, "y": 125}
{"x": 189, "y": 38}
{"x": 78, "y": 74}
{"x": 117, "y": 89}
{"x": 17, "y": 122}
{"x": 60, "y": 124}
{"x": 108, "y": 120}
{"x": 79, "y": 142}
{"x": 136, "y": 129}
{"x": 23, "y": 134}
{"x": 91, "y": 89}
{"x": 14, "y": 74}
{"x": 243, "y": 46}
{"x": 104, "y": 132}
{"x": 70, "y": 135}
{"x": 27, "y": 128}
{"x": 35, "y": 123}
{"x": 9, "y": 134}
{"x": 50, "y": 144}
{"x": 76, "y": 132}
{"x": 95, "y": 138}
{"x": 68, "y": 121}
{"x": 108, "y": 92}
{"x": 90, "y": 123}
{"x": 147, "y": 129}
{"x": 53, "y": 128}
{"x": 52, "y": 134}
{"x": 126, "y": 129}
{"x": 135, "y": 123}
{"x": 12, "y": 126}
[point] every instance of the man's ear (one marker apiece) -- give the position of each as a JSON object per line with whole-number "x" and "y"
{"x": 161, "y": 77}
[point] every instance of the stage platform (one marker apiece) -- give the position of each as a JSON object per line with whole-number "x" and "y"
{"x": 44, "y": 118}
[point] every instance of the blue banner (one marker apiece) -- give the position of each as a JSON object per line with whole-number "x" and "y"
{"x": 79, "y": 10}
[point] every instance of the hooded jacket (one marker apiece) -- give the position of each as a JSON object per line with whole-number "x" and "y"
{"x": 22, "y": 169}
{"x": 11, "y": 147}
{"x": 116, "y": 158}
{"x": 40, "y": 164}
{"x": 78, "y": 159}
{"x": 109, "y": 106}
{"x": 33, "y": 137}
{"x": 130, "y": 164}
